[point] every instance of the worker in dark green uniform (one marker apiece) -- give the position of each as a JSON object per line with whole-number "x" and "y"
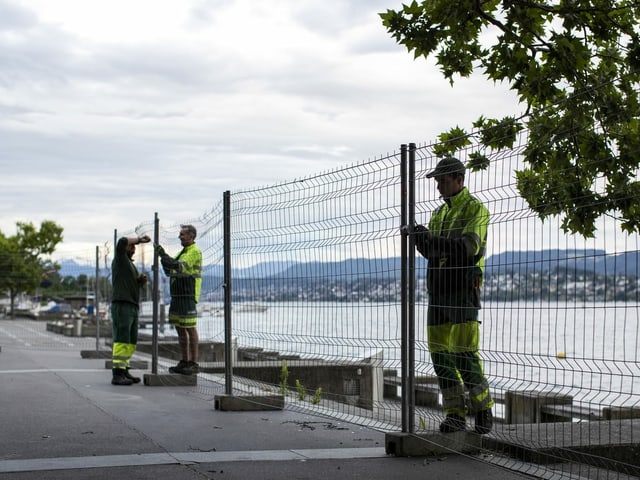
{"x": 454, "y": 245}
{"x": 124, "y": 307}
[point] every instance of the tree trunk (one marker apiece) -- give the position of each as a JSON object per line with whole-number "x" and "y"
{"x": 12, "y": 295}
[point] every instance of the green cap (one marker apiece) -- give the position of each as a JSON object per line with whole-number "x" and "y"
{"x": 447, "y": 166}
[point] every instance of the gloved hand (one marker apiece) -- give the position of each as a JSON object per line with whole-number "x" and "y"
{"x": 160, "y": 251}
{"x": 422, "y": 240}
{"x": 420, "y": 228}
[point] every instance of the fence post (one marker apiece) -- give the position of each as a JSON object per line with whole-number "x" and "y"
{"x": 411, "y": 287}
{"x": 228, "y": 364}
{"x": 96, "y": 299}
{"x": 404, "y": 310}
{"x": 156, "y": 296}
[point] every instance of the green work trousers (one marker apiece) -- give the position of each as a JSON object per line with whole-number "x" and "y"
{"x": 454, "y": 353}
{"x": 125, "y": 333}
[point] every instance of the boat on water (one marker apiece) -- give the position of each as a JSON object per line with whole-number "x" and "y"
{"x": 36, "y": 310}
{"x": 242, "y": 308}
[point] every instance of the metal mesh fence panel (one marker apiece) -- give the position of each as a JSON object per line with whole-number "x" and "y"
{"x": 316, "y": 293}
{"x": 559, "y": 326}
{"x": 316, "y": 312}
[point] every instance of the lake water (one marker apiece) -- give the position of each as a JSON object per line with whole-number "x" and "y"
{"x": 587, "y": 350}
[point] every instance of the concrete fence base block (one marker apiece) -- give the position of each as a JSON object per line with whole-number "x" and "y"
{"x": 529, "y": 406}
{"x": 170, "y": 380}
{"x": 620, "y": 413}
{"x": 428, "y": 444}
{"x": 244, "y": 403}
{"x": 133, "y": 365}
{"x": 96, "y": 353}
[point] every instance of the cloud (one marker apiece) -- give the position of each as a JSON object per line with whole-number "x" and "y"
{"x": 14, "y": 17}
{"x": 111, "y": 111}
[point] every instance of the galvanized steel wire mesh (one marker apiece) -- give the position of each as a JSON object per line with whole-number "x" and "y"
{"x": 316, "y": 288}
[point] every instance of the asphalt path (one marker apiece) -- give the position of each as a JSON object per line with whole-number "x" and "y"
{"x": 61, "y": 418}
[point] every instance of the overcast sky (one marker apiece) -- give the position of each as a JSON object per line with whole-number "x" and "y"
{"x": 113, "y": 110}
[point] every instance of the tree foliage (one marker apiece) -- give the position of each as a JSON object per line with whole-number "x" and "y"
{"x": 575, "y": 67}
{"x": 24, "y": 257}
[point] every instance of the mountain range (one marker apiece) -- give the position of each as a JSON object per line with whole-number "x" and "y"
{"x": 510, "y": 262}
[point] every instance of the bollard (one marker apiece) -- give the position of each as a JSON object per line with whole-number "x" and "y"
{"x": 77, "y": 327}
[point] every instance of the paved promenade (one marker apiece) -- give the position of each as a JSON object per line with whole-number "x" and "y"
{"x": 62, "y": 419}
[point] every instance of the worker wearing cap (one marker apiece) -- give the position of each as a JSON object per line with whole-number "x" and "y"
{"x": 185, "y": 273}
{"x": 454, "y": 245}
{"x": 126, "y": 282}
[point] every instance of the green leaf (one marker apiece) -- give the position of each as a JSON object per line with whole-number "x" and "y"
{"x": 575, "y": 68}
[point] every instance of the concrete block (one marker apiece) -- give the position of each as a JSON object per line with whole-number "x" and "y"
{"x": 427, "y": 398}
{"x": 169, "y": 380}
{"x": 96, "y": 353}
{"x": 526, "y": 406}
{"x": 133, "y": 364}
{"x": 620, "y": 413}
{"x": 427, "y": 392}
{"x": 390, "y": 391}
{"x": 553, "y": 399}
{"x": 349, "y": 382}
{"x": 91, "y": 331}
{"x": 209, "y": 352}
{"x": 245, "y": 403}
{"x": 419, "y": 445}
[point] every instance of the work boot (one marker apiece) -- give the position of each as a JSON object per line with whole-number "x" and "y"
{"x": 120, "y": 377}
{"x": 484, "y": 421}
{"x": 182, "y": 368}
{"x": 194, "y": 367}
{"x": 127, "y": 374}
{"x": 453, "y": 423}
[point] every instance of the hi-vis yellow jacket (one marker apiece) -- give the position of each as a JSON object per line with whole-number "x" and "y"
{"x": 185, "y": 272}
{"x": 457, "y": 247}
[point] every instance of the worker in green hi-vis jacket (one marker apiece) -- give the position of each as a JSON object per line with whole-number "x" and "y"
{"x": 185, "y": 282}
{"x": 454, "y": 245}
